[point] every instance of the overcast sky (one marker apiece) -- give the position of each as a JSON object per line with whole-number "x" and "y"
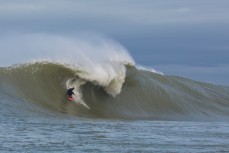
{"x": 188, "y": 38}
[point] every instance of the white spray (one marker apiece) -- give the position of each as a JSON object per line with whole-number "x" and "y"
{"x": 100, "y": 60}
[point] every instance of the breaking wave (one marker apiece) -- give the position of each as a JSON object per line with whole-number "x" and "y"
{"x": 144, "y": 95}
{"x": 107, "y": 85}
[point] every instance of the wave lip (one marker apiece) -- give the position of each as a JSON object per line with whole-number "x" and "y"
{"x": 99, "y": 60}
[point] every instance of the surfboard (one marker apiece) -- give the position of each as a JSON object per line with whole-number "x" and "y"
{"x": 71, "y": 98}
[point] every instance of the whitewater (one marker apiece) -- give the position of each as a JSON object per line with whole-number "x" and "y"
{"x": 118, "y": 104}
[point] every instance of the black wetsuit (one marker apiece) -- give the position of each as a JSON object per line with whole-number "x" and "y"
{"x": 70, "y": 92}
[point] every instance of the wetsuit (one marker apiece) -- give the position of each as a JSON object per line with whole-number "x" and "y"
{"x": 70, "y": 92}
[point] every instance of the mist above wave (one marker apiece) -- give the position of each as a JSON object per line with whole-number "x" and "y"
{"x": 101, "y": 60}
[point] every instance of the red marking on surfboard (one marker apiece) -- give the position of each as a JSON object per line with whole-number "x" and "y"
{"x": 71, "y": 98}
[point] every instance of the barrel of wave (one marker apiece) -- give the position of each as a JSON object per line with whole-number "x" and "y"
{"x": 77, "y": 97}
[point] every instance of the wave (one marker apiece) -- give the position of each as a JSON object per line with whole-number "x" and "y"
{"x": 143, "y": 95}
{"x": 107, "y": 82}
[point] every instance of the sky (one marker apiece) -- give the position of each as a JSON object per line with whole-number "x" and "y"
{"x": 177, "y": 37}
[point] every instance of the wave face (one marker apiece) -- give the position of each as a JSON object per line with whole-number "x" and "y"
{"x": 131, "y": 94}
{"x": 107, "y": 82}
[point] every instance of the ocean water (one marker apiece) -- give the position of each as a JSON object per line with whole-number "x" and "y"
{"x": 34, "y": 119}
{"x": 118, "y": 106}
{"x": 72, "y": 134}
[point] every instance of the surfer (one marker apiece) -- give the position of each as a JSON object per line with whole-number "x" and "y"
{"x": 70, "y": 92}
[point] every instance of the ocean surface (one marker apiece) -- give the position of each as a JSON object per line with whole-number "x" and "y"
{"x": 136, "y": 111}
{"x": 60, "y": 133}
{"x": 119, "y": 106}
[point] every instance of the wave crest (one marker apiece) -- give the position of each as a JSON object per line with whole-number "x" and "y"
{"x": 99, "y": 60}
